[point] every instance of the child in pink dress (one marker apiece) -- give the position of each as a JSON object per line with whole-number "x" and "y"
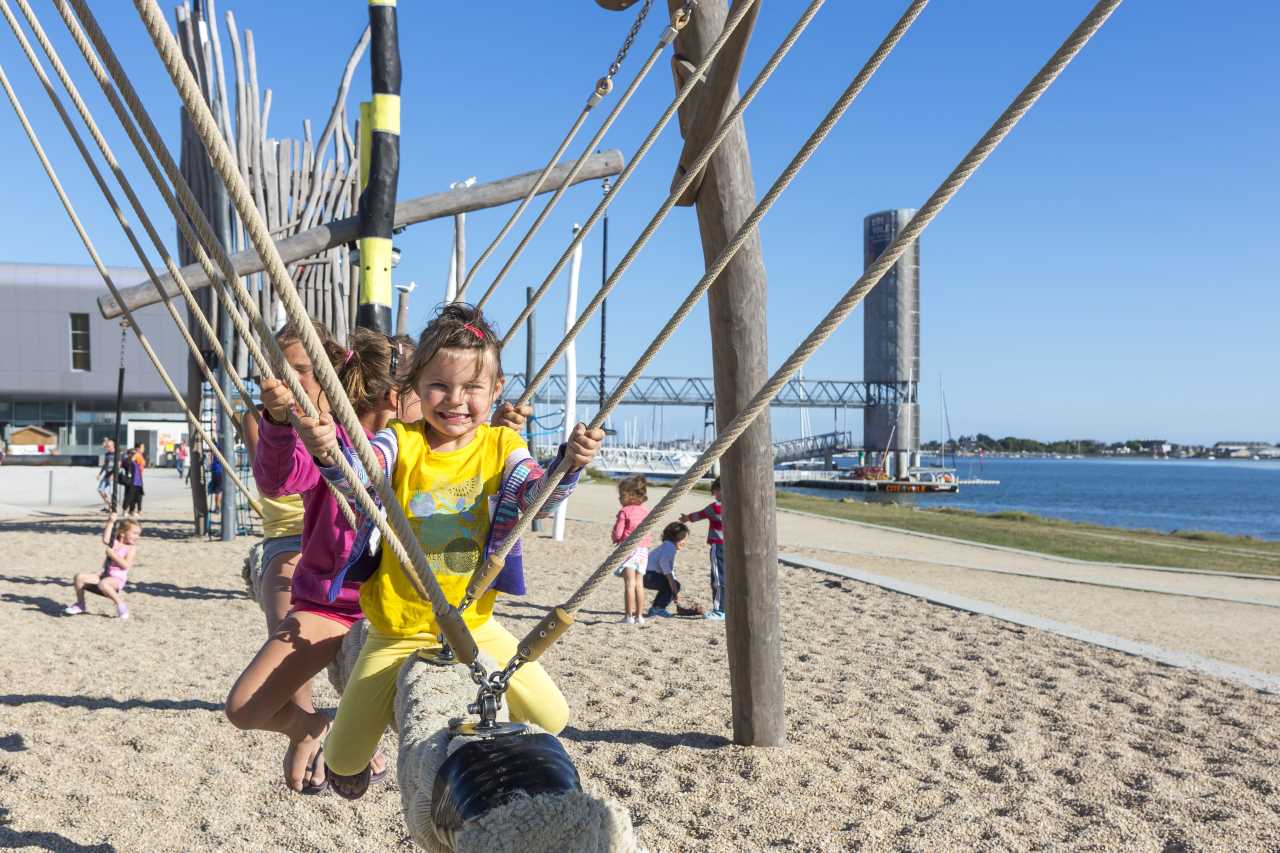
{"x": 110, "y": 581}
{"x": 632, "y": 494}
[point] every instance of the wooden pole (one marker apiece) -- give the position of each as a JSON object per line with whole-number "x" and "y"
{"x": 736, "y": 304}
{"x": 339, "y": 232}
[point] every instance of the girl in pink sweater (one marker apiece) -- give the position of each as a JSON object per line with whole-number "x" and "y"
{"x": 632, "y": 494}
{"x": 273, "y": 693}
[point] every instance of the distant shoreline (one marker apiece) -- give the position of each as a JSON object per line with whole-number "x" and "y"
{"x": 1192, "y": 549}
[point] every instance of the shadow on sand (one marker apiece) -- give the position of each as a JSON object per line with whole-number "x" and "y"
{"x": 36, "y": 603}
{"x": 15, "y": 839}
{"x": 657, "y": 740}
{"x": 154, "y": 588}
{"x": 98, "y": 703}
{"x": 158, "y": 528}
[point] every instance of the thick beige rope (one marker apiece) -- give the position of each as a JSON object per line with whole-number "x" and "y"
{"x": 667, "y": 37}
{"x": 106, "y": 277}
{"x": 690, "y": 175}
{"x": 206, "y": 237}
{"x": 398, "y": 533}
{"x": 909, "y": 234}
{"x": 601, "y": 90}
{"x": 114, "y": 165}
{"x": 740, "y": 11}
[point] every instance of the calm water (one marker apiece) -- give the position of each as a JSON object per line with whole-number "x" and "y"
{"x": 1239, "y": 497}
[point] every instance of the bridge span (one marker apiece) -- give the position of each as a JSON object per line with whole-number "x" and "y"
{"x": 700, "y": 391}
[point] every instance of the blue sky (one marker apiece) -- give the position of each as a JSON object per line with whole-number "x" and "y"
{"x": 1110, "y": 273}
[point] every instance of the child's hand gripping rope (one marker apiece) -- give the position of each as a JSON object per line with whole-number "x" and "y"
{"x": 318, "y": 436}
{"x": 277, "y": 400}
{"x": 583, "y": 446}
{"x": 511, "y": 416}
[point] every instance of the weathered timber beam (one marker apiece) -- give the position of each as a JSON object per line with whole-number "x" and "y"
{"x": 341, "y": 231}
{"x": 711, "y": 102}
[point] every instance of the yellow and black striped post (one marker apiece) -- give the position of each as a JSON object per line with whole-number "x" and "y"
{"x": 380, "y": 168}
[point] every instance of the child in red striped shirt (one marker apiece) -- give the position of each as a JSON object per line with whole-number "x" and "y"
{"x": 712, "y": 513}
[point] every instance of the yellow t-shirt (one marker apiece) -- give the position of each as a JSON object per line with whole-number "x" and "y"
{"x": 281, "y": 516}
{"x": 448, "y": 498}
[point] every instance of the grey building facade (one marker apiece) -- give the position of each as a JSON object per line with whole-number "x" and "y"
{"x": 891, "y": 340}
{"x": 59, "y": 357}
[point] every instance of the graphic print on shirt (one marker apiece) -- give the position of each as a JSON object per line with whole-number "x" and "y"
{"x": 450, "y": 521}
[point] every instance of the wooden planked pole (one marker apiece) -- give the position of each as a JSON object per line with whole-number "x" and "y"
{"x": 736, "y": 304}
{"x": 340, "y": 232}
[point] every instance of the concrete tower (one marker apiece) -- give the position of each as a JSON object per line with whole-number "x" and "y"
{"x": 891, "y": 342}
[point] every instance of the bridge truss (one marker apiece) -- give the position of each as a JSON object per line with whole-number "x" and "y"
{"x": 700, "y": 391}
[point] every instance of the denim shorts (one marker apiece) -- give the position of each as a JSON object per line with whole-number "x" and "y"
{"x": 272, "y": 548}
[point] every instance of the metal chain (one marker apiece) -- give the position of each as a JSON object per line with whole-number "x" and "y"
{"x": 668, "y": 36}
{"x": 602, "y": 88}
{"x": 616, "y": 65}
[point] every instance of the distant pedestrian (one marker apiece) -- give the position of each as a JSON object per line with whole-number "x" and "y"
{"x": 712, "y": 513}
{"x": 134, "y": 464}
{"x": 660, "y": 573}
{"x": 632, "y": 493}
{"x": 180, "y": 460}
{"x": 215, "y": 484}
{"x": 106, "y": 473}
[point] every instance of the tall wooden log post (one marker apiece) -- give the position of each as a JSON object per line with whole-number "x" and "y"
{"x": 740, "y": 356}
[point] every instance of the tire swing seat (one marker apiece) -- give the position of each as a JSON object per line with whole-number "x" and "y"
{"x": 512, "y": 790}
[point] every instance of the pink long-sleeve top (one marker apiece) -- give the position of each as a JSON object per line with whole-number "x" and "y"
{"x": 282, "y": 466}
{"x": 629, "y": 518}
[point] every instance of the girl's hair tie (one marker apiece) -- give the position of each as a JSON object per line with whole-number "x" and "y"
{"x": 347, "y": 359}
{"x": 474, "y": 330}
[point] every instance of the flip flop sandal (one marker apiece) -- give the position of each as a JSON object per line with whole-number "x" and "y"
{"x": 349, "y": 787}
{"x": 311, "y": 789}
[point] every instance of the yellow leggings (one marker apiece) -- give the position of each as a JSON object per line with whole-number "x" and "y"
{"x": 368, "y": 703}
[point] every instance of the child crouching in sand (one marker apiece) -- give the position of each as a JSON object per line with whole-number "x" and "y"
{"x": 462, "y": 484}
{"x": 110, "y": 581}
{"x": 660, "y": 573}
{"x": 632, "y": 493}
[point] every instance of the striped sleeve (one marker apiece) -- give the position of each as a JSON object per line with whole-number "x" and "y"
{"x": 386, "y": 447}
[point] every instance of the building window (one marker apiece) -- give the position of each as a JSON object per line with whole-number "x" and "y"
{"x": 26, "y": 413}
{"x": 80, "y": 342}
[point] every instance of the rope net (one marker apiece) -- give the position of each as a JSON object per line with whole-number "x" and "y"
{"x": 736, "y": 17}
{"x": 203, "y": 234}
{"x": 395, "y": 525}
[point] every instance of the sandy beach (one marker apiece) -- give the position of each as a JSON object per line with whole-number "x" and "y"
{"x": 911, "y": 726}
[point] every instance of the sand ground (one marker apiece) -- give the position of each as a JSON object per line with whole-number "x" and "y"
{"x": 910, "y": 726}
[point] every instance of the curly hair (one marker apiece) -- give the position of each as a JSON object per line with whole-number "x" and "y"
{"x": 633, "y": 490}
{"x": 455, "y": 326}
